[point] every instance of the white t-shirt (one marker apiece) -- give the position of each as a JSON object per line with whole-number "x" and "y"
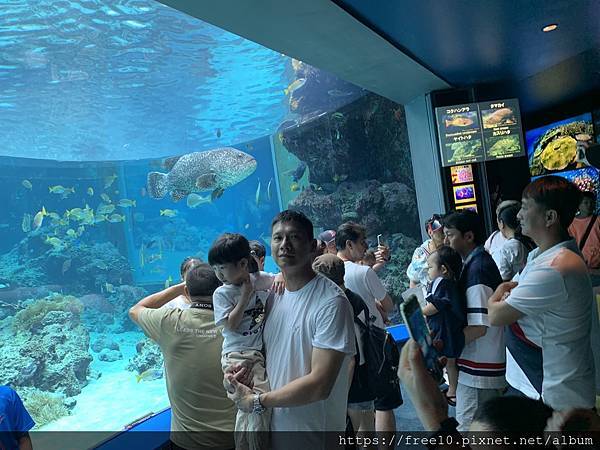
{"x": 510, "y": 258}
{"x": 364, "y": 281}
{"x": 317, "y": 315}
{"x": 555, "y": 294}
{"x": 248, "y": 335}
{"x": 494, "y": 242}
{"x": 179, "y": 302}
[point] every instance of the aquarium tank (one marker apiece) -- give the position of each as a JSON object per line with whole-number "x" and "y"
{"x": 133, "y": 135}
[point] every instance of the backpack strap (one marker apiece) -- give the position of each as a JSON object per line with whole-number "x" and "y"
{"x": 588, "y": 230}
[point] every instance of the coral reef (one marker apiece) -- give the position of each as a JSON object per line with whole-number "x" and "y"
{"x": 148, "y": 356}
{"x": 48, "y": 347}
{"x": 104, "y": 342}
{"x": 110, "y": 355}
{"x": 45, "y": 407}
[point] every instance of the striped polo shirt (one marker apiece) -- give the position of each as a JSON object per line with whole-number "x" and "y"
{"x": 482, "y": 363}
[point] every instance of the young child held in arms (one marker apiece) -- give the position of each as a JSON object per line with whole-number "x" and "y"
{"x": 446, "y": 310}
{"x": 239, "y": 306}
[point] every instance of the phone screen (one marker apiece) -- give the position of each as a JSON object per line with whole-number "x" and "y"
{"x": 419, "y": 331}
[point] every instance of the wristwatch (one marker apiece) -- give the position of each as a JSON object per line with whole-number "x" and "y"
{"x": 257, "y": 407}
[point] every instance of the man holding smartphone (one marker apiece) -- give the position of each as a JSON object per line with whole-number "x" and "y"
{"x": 482, "y": 363}
{"x": 351, "y": 243}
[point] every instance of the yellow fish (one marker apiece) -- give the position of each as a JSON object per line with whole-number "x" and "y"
{"x": 90, "y": 191}
{"x": 105, "y": 209}
{"x": 294, "y": 187}
{"x": 58, "y": 189}
{"x": 149, "y": 375}
{"x": 257, "y": 196}
{"x": 142, "y": 259}
{"x": 26, "y": 223}
{"x": 168, "y": 212}
{"x": 193, "y": 200}
{"x": 114, "y": 218}
{"x": 71, "y": 233}
{"x": 80, "y": 230}
{"x": 126, "y": 203}
{"x": 295, "y": 85}
{"x": 109, "y": 288}
{"x": 168, "y": 281}
{"x": 101, "y": 218}
{"x": 109, "y": 180}
{"x": 54, "y": 242}
{"x": 39, "y": 218}
{"x": 54, "y": 216}
{"x": 105, "y": 197}
{"x": 26, "y": 184}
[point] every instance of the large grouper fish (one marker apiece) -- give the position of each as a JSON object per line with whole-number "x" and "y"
{"x": 212, "y": 170}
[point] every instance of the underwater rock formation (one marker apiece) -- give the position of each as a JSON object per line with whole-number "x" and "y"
{"x": 104, "y": 342}
{"x": 110, "y": 355}
{"x": 148, "y": 356}
{"x": 367, "y": 139}
{"x": 48, "y": 348}
{"x": 379, "y": 207}
{"x": 33, "y": 263}
{"x": 45, "y": 407}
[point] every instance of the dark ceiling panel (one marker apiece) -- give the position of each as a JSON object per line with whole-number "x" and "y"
{"x": 481, "y": 42}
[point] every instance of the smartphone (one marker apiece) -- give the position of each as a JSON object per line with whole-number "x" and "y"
{"x": 419, "y": 331}
{"x": 378, "y": 240}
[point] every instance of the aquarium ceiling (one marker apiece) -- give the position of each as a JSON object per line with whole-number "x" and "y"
{"x": 91, "y": 80}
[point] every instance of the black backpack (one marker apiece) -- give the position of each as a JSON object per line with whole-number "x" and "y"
{"x": 380, "y": 352}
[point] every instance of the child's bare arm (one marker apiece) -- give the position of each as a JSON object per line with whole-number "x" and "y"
{"x": 429, "y": 310}
{"x": 237, "y": 313}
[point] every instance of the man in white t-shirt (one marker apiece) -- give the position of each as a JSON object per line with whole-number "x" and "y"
{"x": 551, "y": 313}
{"x": 309, "y": 341}
{"x": 351, "y": 242}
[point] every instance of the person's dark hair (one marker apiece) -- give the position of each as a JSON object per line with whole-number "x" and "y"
{"x": 349, "y": 231}
{"x": 201, "y": 281}
{"x": 289, "y": 215}
{"x": 508, "y": 216}
{"x": 257, "y": 249}
{"x": 330, "y": 266}
{"x": 557, "y": 194}
{"x": 513, "y": 414}
{"x": 465, "y": 221}
{"x": 588, "y": 194}
{"x": 231, "y": 248}
{"x": 187, "y": 264}
{"x": 451, "y": 259}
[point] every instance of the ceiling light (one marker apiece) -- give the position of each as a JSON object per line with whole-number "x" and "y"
{"x": 551, "y": 27}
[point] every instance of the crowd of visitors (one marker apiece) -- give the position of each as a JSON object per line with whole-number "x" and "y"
{"x": 251, "y": 355}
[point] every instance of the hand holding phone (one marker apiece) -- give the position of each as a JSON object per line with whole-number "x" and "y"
{"x": 419, "y": 331}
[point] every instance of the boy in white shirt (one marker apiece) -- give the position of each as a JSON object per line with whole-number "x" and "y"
{"x": 239, "y": 306}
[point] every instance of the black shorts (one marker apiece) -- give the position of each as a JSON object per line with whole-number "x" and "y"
{"x": 388, "y": 396}
{"x": 360, "y": 391}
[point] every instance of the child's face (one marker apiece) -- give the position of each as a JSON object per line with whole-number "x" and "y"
{"x": 434, "y": 270}
{"x": 231, "y": 273}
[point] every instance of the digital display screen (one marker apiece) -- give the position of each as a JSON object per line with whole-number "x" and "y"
{"x": 477, "y": 132}
{"x": 462, "y": 174}
{"x": 464, "y": 194}
{"x": 554, "y": 148}
{"x": 470, "y": 207}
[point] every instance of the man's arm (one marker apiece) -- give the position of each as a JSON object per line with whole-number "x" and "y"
{"x": 156, "y": 300}
{"x": 310, "y": 388}
{"x": 499, "y": 312}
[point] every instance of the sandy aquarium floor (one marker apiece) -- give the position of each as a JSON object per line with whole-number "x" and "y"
{"x": 115, "y": 399}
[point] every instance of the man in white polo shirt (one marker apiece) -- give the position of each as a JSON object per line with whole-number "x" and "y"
{"x": 551, "y": 313}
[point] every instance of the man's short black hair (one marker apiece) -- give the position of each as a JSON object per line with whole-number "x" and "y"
{"x": 555, "y": 193}
{"x": 349, "y": 231}
{"x": 289, "y": 215}
{"x": 465, "y": 221}
{"x": 201, "y": 281}
{"x": 588, "y": 194}
{"x": 258, "y": 249}
{"x": 448, "y": 257}
{"x": 187, "y": 263}
{"x": 231, "y": 248}
{"x": 513, "y": 414}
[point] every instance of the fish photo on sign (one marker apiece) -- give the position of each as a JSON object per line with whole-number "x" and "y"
{"x": 461, "y": 121}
